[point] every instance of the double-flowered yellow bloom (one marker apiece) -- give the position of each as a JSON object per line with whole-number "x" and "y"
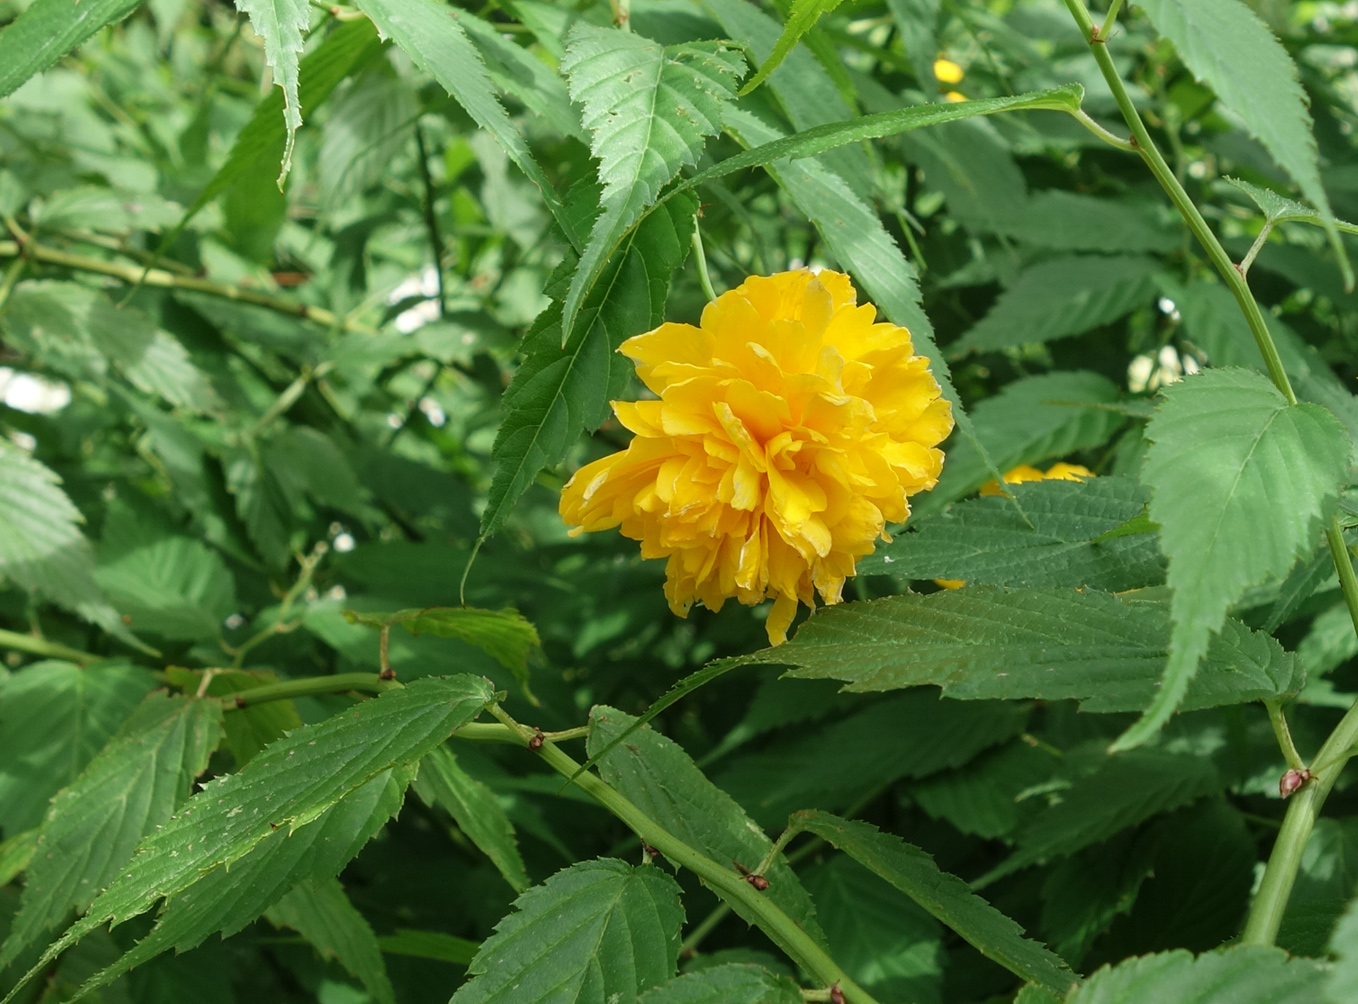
{"x": 791, "y": 427}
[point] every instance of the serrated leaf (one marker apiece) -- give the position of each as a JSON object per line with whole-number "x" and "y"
{"x": 982, "y": 797}
{"x": 877, "y": 934}
{"x": 648, "y": 110}
{"x": 49, "y": 29}
{"x": 659, "y": 778}
{"x": 128, "y": 791}
{"x": 800, "y": 19}
{"x": 226, "y": 899}
{"x": 1127, "y": 789}
{"x": 320, "y": 912}
{"x": 1060, "y": 297}
{"x": 16, "y": 853}
{"x": 165, "y": 584}
{"x": 947, "y": 897}
{"x": 505, "y": 635}
{"x": 915, "y": 735}
{"x": 431, "y": 34}
{"x": 294, "y": 782}
{"x": 81, "y": 334}
{"x": 1228, "y": 456}
{"x": 518, "y": 72}
{"x": 558, "y": 393}
{"x": 1279, "y": 209}
{"x": 732, "y": 983}
{"x": 593, "y": 933}
{"x": 984, "y": 541}
{"x": 250, "y": 729}
{"x": 1030, "y": 420}
{"x": 1243, "y": 974}
{"x": 1051, "y": 644}
{"x": 41, "y": 546}
{"x": 475, "y": 810}
{"x": 54, "y": 717}
{"x": 1215, "y": 38}
{"x": 281, "y": 24}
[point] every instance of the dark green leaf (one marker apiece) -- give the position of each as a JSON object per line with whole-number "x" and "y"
{"x": 732, "y": 983}
{"x": 593, "y": 933}
{"x": 429, "y": 945}
{"x": 48, "y": 30}
{"x": 1245, "y": 974}
{"x": 127, "y": 792}
{"x": 984, "y": 541}
{"x": 1229, "y": 455}
{"x": 54, "y": 717}
{"x": 1342, "y": 986}
{"x": 322, "y": 913}
{"x": 249, "y": 729}
{"x": 1052, "y": 644}
{"x": 1061, "y": 297}
{"x": 982, "y": 797}
{"x": 476, "y": 811}
{"x": 1325, "y": 883}
{"x": 947, "y": 897}
{"x": 658, "y": 777}
{"x": 648, "y": 110}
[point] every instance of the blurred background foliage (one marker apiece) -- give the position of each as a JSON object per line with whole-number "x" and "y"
{"x": 297, "y": 418}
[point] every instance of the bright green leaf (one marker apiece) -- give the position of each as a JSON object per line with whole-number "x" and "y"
{"x": 800, "y": 19}
{"x": 648, "y": 110}
{"x": 947, "y": 897}
{"x": 1228, "y": 457}
{"x": 48, "y": 30}
{"x": 593, "y": 933}
{"x": 281, "y": 24}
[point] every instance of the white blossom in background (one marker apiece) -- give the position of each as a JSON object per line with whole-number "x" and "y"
{"x": 425, "y": 284}
{"x": 1149, "y": 372}
{"x": 33, "y": 394}
{"x": 433, "y": 411}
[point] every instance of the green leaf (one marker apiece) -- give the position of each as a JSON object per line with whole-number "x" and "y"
{"x": 800, "y": 19}
{"x": 431, "y": 34}
{"x": 1050, "y": 644}
{"x": 1228, "y": 456}
{"x": 128, "y": 791}
{"x": 267, "y": 133}
{"x": 504, "y": 635}
{"x": 429, "y": 945}
{"x": 165, "y": 584}
{"x": 54, "y": 717}
{"x": 1330, "y": 642}
{"x": 294, "y": 782}
{"x": 558, "y": 393}
{"x": 1215, "y": 38}
{"x": 648, "y": 110}
{"x": 81, "y": 334}
{"x": 1244, "y": 974}
{"x": 518, "y": 72}
{"x": 1071, "y": 221}
{"x": 281, "y": 24}
{"x": 320, "y": 912}
{"x": 1342, "y": 985}
{"x": 303, "y": 459}
{"x": 1279, "y": 209}
{"x": 659, "y": 778}
{"x": 984, "y": 541}
{"x": 877, "y": 934}
{"x": 1325, "y": 882}
{"x": 1031, "y": 420}
{"x": 831, "y": 767}
{"x": 48, "y": 30}
{"x": 249, "y": 729}
{"x": 732, "y": 983}
{"x": 945, "y": 896}
{"x": 1060, "y": 297}
{"x": 593, "y": 933}
{"x": 475, "y": 810}
{"x": 982, "y": 797}
{"x": 41, "y": 546}
{"x": 226, "y": 898}
{"x": 1125, "y": 790}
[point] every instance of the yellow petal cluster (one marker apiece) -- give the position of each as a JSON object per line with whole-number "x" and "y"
{"x": 789, "y": 428}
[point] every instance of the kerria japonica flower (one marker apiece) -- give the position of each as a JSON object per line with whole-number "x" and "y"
{"x": 791, "y": 427}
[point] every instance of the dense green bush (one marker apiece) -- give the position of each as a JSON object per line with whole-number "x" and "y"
{"x": 307, "y": 315}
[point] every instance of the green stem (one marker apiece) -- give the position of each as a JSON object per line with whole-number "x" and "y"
{"x": 39, "y": 646}
{"x": 781, "y": 929}
{"x": 339, "y": 683}
{"x": 1163, "y": 174}
{"x": 700, "y": 257}
{"x": 162, "y": 279}
{"x": 1278, "y": 720}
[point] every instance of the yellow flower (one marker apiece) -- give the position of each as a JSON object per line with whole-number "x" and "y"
{"x": 790, "y": 428}
{"x": 954, "y": 96}
{"x": 947, "y": 71}
{"x": 1056, "y": 472}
